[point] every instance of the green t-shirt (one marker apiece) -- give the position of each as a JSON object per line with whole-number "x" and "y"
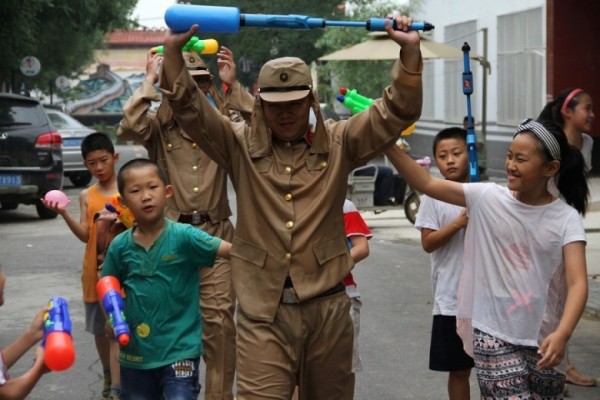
{"x": 162, "y": 292}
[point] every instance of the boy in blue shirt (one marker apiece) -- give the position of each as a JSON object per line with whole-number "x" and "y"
{"x": 156, "y": 262}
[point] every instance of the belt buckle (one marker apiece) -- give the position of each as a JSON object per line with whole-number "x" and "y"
{"x": 197, "y": 218}
{"x": 289, "y": 296}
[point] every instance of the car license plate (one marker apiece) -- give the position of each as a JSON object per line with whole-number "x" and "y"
{"x": 11, "y": 180}
{"x": 72, "y": 142}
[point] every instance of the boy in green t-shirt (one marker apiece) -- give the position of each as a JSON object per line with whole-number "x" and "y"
{"x": 156, "y": 262}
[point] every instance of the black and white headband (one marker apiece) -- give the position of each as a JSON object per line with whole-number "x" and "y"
{"x": 543, "y": 134}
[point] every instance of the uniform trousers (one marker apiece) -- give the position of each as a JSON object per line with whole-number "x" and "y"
{"x": 217, "y": 305}
{"x": 308, "y": 344}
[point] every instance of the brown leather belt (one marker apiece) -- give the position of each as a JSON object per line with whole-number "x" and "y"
{"x": 289, "y": 296}
{"x": 193, "y": 218}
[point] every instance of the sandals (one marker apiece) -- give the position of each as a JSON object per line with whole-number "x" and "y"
{"x": 577, "y": 378}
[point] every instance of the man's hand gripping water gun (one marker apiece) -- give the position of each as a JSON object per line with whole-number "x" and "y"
{"x": 109, "y": 292}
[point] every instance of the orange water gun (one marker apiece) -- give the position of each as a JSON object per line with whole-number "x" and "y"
{"x": 123, "y": 213}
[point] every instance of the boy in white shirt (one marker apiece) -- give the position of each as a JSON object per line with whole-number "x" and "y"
{"x": 442, "y": 227}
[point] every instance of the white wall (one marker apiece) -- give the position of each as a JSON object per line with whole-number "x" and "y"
{"x": 449, "y": 12}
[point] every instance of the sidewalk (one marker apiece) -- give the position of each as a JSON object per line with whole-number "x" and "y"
{"x": 393, "y": 225}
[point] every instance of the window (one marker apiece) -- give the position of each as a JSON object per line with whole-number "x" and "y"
{"x": 521, "y": 66}
{"x": 455, "y": 101}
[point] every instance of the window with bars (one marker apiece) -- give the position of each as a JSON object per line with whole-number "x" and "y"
{"x": 521, "y": 66}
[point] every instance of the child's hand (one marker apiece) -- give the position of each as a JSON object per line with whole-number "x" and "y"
{"x": 39, "y": 360}
{"x": 552, "y": 350}
{"x": 36, "y": 328}
{"x": 109, "y": 331}
{"x": 463, "y": 219}
{"x": 54, "y": 206}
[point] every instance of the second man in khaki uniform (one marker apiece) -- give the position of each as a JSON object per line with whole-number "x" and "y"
{"x": 200, "y": 199}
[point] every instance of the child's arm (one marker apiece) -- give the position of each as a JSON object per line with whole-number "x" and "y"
{"x": 20, "y": 387}
{"x": 441, "y": 189}
{"x": 224, "y": 249}
{"x": 553, "y": 346}
{"x": 33, "y": 334}
{"x": 81, "y": 229}
{"x": 360, "y": 248}
{"x": 432, "y": 240}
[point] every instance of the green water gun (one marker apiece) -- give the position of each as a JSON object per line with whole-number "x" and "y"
{"x": 206, "y": 46}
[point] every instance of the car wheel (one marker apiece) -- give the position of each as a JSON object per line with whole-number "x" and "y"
{"x": 9, "y": 205}
{"x": 43, "y": 212}
{"x": 81, "y": 179}
{"x": 411, "y": 206}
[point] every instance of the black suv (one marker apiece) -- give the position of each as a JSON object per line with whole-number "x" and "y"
{"x": 30, "y": 154}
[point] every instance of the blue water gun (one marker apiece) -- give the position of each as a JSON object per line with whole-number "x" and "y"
{"x": 58, "y": 342}
{"x": 180, "y": 17}
{"x": 109, "y": 291}
{"x": 467, "y": 84}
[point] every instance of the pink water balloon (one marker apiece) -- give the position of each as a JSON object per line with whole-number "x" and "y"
{"x": 57, "y": 197}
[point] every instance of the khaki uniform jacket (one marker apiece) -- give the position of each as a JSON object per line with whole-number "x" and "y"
{"x": 199, "y": 184}
{"x": 290, "y": 195}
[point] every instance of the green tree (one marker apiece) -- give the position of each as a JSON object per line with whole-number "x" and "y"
{"x": 62, "y": 34}
{"x": 253, "y": 46}
{"x": 368, "y": 77}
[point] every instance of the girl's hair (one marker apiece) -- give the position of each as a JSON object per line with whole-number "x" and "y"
{"x": 568, "y": 98}
{"x": 571, "y": 179}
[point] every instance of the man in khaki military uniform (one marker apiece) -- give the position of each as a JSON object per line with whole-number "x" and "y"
{"x": 289, "y": 253}
{"x": 200, "y": 199}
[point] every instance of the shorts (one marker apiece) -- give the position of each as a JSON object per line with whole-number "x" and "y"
{"x": 95, "y": 320}
{"x": 446, "y": 352}
{"x": 179, "y": 380}
{"x": 505, "y": 370}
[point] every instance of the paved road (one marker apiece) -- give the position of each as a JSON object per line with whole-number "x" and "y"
{"x": 42, "y": 259}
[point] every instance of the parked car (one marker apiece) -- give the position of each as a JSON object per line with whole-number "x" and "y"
{"x": 72, "y": 133}
{"x": 30, "y": 154}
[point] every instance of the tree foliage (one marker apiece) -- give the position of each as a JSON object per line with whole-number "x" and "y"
{"x": 253, "y": 46}
{"x": 62, "y": 34}
{"x": 368, "y": 77}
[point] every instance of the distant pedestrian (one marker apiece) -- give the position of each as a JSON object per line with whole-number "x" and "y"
{"x": 99, "y": 156}
{"x": 156, "y": 263}
{"x": 573, "y": 109}
{"x": 442, "y": 227}
{"x": 524, "y": 283}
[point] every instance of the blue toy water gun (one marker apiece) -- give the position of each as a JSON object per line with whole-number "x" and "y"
{"x": 58, "y": 342}
{"x": 467, "y": 84}
{"x": 180, "y": 17}
{"x": 109, "y": 291}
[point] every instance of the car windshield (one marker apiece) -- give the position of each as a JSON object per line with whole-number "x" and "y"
{"x": 63, "y": 121}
